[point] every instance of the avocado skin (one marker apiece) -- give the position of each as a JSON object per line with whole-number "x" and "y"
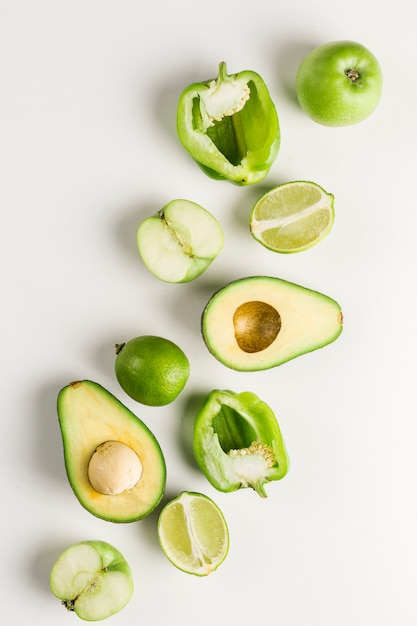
{"x": 88, "y": 415}
{"x": 310, "y": 320}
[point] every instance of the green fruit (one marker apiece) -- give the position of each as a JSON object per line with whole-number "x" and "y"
{"x": 237, "y": 442}
{"x": 292, "y": 217}
{"x": 339, "y": 83}
{"x": 230, "y": 126}
{"x": 260, "y": 322}
{"x": 114, "y": 464}
{"x": 151, "y": 370}
{"x": 92, "y": 579}
{"x": 179, "y": 243}
{"x": 193, "y": 533}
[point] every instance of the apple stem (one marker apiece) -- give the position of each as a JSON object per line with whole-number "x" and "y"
{"x": 353, "y": 75}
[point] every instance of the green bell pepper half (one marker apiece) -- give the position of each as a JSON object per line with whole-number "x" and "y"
{"x": 230, "y": 126}
{"x": 237, "y": 442}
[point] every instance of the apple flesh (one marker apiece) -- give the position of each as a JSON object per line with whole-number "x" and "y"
{"x": 178, "y": 243}
{"x": 339, "y": 83}
{"x": 92, "y": 579}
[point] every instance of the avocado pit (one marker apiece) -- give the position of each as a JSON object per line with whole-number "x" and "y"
{"x": 114, "y": 468}
{"x": 256, "y": 325}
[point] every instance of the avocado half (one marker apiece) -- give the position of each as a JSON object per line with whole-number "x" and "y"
{"x": 90, "y": 416}
{"x": 260, "y": 322}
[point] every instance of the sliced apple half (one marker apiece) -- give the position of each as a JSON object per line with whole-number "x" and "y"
{"x": 92, "y": 579}
{"x": 179, "y": 243}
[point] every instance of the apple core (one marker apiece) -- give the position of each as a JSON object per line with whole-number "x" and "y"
{"x": 256, "y": 325}
{"x": 114, "y": 468}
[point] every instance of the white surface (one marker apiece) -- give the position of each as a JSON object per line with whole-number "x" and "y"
{"x": 88, "y": 149}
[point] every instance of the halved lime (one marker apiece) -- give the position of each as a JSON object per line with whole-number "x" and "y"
{"x": 193, "y": 533}
{"x": 292, "y": 217}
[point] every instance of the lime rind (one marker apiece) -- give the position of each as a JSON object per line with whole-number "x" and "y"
{"x": 292, "y": 217}
{"x": 193, "y": 533}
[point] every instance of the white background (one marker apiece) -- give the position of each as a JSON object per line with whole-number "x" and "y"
{"x": 88, "y": 148}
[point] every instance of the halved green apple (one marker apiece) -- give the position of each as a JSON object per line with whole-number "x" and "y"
{"x": 93, "y": 579}
{"x": 179, "y": 243}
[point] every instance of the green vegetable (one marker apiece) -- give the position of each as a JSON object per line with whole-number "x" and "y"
{"x": 238, "y": 443}
{"x": 230, "y": 126}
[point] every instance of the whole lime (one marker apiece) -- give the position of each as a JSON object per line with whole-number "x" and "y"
{"x": 151, "y": 370}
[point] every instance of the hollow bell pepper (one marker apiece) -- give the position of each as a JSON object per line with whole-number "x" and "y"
{"x": 230, "y": 126}
{"x": 237, "y": 442}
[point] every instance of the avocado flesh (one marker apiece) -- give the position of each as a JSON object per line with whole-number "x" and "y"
{"x": 306, "y": 320}
{"x": 89, "y": 415}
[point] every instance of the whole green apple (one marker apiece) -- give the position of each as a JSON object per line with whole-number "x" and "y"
{"x": 339, "y": 83}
